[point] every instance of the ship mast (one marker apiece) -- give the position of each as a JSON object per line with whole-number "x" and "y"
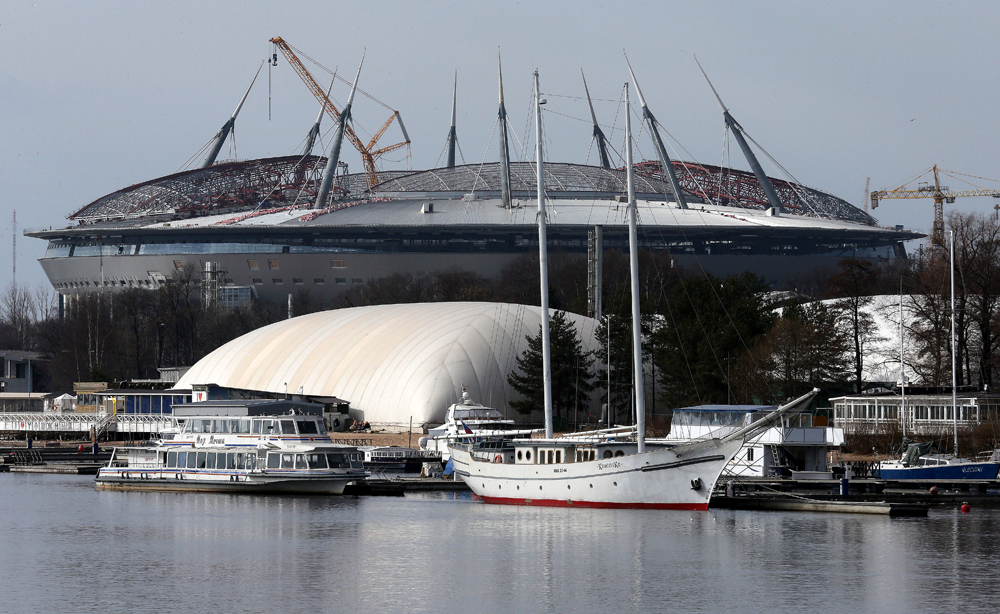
{"x": 543, "y": 264}
{"x": 633, "y": 252}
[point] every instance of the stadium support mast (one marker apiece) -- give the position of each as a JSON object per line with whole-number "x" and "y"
{"x": 452, "y": 135}
{"x": 765, "y": 183}
{"x": 602, "y": 147}
{"x": 314, "y": 131}
{"x": 668, "y": 167}
{"x": 338, "y": 139}
{"x": 504, "y": 151}
{"x": 223, "y": 133}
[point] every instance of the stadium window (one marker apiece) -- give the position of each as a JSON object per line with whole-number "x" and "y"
{"x": 257, "y": 281}
{"x": 178, "y": 265}
{"x": 319, "y": 281}
{"x": 253, "y": 265}
{"x": 272, "y": 264}
{"x": 338, "y": 264}
{"x": 341, "y": 280}
{"x": 297, "y": 281}
{"x": 277, "y": 281}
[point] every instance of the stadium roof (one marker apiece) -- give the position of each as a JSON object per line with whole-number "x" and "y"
{"x": 290, "y": 183}
{"x": 392, "y": 362}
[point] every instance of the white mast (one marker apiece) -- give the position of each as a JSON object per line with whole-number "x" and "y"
{"x": 954, "y": 376}
{"x": 902, "y": 365}
{"x": 543, "y": 264}
{"x": 633, "y": 252}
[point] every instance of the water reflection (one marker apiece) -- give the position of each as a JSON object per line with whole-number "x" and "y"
{"x": 82, "y": 550}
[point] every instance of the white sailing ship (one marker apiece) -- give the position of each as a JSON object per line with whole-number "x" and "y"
{"x": 595, "y": 469}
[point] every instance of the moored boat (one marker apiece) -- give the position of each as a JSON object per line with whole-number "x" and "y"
{"x": 919, "y": 464}
{"x": 255, "y": 452}
{"x": 466, "y": 420}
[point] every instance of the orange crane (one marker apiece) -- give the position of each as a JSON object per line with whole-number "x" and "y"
{"x": 368, "y": 152}
{"x": 941, "y": 194}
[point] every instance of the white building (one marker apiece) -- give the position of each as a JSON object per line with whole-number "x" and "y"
{"x": 923, "y": 414}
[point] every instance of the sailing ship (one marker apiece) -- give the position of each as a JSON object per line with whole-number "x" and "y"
{"x": 593, "y": 469}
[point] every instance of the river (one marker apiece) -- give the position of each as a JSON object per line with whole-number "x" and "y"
{"x": 70, "y": 548}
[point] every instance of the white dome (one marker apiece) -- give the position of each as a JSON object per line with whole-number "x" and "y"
{"x": 392, "y": 362}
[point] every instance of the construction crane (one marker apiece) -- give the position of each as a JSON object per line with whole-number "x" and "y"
{"x": 368, "y": 152}
{"x": 941, "y": 194}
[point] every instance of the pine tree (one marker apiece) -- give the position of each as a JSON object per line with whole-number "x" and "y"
{"x": 571, "y": 370}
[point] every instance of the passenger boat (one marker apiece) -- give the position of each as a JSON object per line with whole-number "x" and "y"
{"x": 465, "y": 420}
{"x": 287, "y": 453}
{"x": 594, "y": 470}
{"x": 397, "y": 459}
{"x": 918, "y": 464}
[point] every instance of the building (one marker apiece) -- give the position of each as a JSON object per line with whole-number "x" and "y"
{"x": 20, "y": 371}
{"x": 922, "y": 414}
{"x": 399, "y": 366}
{"x": 250, "y": 228}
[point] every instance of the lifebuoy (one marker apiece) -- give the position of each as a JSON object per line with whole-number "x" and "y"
{"x": 497, "y": 459}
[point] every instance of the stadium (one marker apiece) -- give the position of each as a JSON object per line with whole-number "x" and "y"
{"x": 252, "y": 229}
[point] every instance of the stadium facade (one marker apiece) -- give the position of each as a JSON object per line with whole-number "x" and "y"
{"x": 252, "y": 229}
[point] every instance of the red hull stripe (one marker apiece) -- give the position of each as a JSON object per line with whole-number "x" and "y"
{"x": 595, "y": 504}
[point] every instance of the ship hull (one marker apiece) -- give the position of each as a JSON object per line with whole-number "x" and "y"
{"x": 657, "y": 479}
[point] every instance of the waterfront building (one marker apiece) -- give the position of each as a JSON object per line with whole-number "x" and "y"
{"x": 924, "y": 414}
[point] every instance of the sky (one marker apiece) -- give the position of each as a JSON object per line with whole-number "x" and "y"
{"x": 96, "y": 96}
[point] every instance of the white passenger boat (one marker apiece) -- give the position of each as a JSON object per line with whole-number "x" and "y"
{"x": 287, "y": 453}
{"x": 466, "y": 420}
{"x": 588, "y": 470}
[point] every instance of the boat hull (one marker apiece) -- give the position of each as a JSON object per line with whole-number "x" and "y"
{"x": 657, "y": 479}
{"x": 965, "y": 471}
{"x": 247, "y": 483}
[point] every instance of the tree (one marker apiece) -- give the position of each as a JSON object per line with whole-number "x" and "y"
{"x": 855, "y": 282}
{"x": 708, "y": 326}
{"x": 571, "y": 370}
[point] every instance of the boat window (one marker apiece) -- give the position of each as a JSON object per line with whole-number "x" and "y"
{"x": 202, "y": 459}
{"x": 607, "y": 454}
{"x": 287, "y": 461}
{"x": 220, "y": 426}
{"x": 338, "y": 461}
{"x": 273, "y": 460}
{"x": 288, "y": 427}
{"x": 187, "y": 426}
{"x": 196, "y": 425}
{"x": 230, "y": 460}
{"x": 308, "y": 427}
{"x": 619, "y": 453}
{"x": 256, "y": 427}
{"x": 518, "y": 455}
{"x": 181, "y": 459}
{"x": 527, "y": 455}
{"x": 268, "y": 428}
{"x": 316, "y": 461}
{"x": 191, "y": 460}
{"x": 558, "y": 456}
{"x": 300, "y": 461}
{"x": 239, "y": 460}
{"x": 550, "y": 457}
{"x": 171, "y": 459}
{"x": 211, "y": 460}
{"x": 251, "y": 462}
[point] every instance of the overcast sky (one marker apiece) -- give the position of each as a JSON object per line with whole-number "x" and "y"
{"x": 98, "y": 96}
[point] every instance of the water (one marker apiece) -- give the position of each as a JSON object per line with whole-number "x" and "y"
{"x": 68, "y": 548}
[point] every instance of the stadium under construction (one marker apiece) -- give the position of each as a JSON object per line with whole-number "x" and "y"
{"x": 271, "y": 227}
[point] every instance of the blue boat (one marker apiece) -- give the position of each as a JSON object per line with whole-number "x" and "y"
{"x": 918, "y": 464}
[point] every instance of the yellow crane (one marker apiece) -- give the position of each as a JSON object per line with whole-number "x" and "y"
{"x": 941, "y": 194}
{"x": 368, "y": 152}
